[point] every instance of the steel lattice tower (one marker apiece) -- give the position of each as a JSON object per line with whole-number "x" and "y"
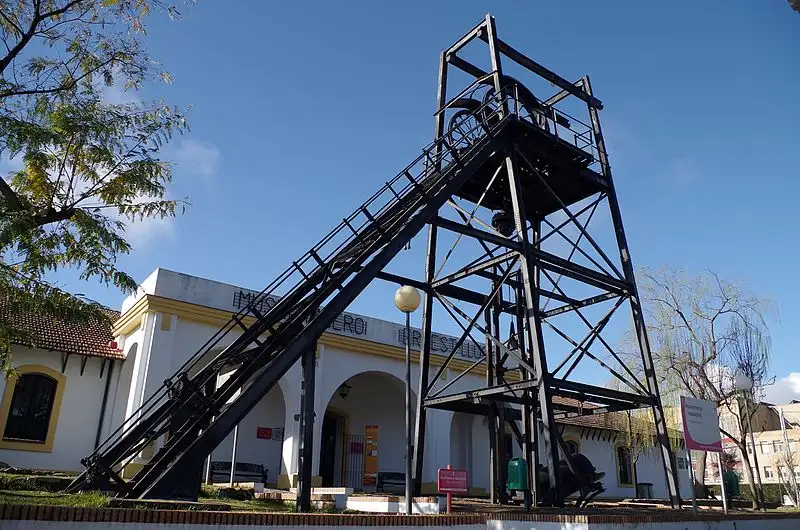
{"x": 541, "y": 174}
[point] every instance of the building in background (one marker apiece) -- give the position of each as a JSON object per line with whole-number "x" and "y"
{"x": 66, "y": 390}
{"x": 776, "y": 430}
{"x": 80, "y": 384}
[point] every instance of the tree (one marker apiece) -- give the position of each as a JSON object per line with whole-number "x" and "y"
{"x": 89, "y": 167}
{"x": 703, "y": 331}
{"x": 637, "y": 433}
{"x": 788, "y": 464}
{"x": 639, "y": 437}
{"x": 795, "y": 4}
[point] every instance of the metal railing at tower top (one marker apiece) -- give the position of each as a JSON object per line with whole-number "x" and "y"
{"x": 549, "y": 117}
{"x": 304, "y": 288}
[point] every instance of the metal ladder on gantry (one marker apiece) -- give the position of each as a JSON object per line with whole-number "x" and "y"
{"x": 541, "y": 175}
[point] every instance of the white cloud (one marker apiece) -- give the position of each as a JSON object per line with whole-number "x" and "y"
{"x": 197, "y": 157}
{"x": 116, "y": 95}
{"x": 784, "y": 390}
{"x": 140, "y": 234}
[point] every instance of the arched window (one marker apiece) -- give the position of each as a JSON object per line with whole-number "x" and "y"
{"x": 31, "y": 408}
{"x": 572, "y": 446}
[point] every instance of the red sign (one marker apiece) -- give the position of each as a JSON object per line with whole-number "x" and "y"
{"x": 453, "y": 481}
{"x": 264, "y": 433}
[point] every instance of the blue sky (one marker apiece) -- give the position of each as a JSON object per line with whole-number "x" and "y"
{"x": 301, "y": 110}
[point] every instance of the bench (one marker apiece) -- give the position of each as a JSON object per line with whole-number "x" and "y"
{"x": 396, "y": 482}
{"x": 245, "y": 472}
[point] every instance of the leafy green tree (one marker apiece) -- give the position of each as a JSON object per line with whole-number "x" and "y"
{"x": 89, "y": 167}
{"x": 795, "y": 4}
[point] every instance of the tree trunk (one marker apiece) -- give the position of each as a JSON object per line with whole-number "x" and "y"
{"x": 700, "y": 475}
{"x": 635, "y": 479}
{"x": 748, "y": 472}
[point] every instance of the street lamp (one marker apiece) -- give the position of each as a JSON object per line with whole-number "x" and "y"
{"x": 743, "y": 383}
{"x": 407, "y": 300}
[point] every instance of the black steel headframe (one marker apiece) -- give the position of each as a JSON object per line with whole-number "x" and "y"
{"x": 499, "y": 149}
{"x": 556, "y": 164}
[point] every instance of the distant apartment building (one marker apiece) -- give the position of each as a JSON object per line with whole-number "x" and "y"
{"x": 776, "y": 455}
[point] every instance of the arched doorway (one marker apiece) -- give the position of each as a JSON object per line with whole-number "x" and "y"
{"x": 332, "y": 457}
{"x": 461, "y": 441}
{"x": 363, "y": 431}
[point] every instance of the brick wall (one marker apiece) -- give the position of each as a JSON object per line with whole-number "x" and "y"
{"x": 20, "y": 517}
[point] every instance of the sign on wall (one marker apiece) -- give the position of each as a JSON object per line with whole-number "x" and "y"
{"x": 270, "y": 433}
{"x": 700, "y": 424}
{"x": 368, "y": 328}
{"x": 370, "y": 455}
{"x": 264, "y": 433}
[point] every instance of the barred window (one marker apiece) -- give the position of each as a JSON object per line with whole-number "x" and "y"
{"x": 31, "y": 407}
{"x": 624, "y": 465}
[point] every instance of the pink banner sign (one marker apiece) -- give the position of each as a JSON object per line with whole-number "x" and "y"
{"x": 700, "y": 424}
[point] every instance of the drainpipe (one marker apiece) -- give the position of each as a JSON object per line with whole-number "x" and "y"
{"x": 103, "y": 405}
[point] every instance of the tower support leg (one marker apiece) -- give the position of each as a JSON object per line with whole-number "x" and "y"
{"x": 492, "y": 417}
{"x": 667, "y": 456}
{"x": 528, "y": 419}
{"x": 531, "y": 290}
{"x": 424, "y": 362}
{"x": 500, "y": 440}
{"x": 306, "y": 449}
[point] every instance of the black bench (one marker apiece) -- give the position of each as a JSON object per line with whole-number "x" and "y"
{"x": 245, "y": 472}
{"x": 396, "y": 482}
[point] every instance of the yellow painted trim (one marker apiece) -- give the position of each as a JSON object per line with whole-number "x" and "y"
{"x": 616, "y": 464}
{"x": 129, "y": 322}
{"x": 130, "y": 319}
{"x": 398, "y": 353}
{"x": 8, "y": 394}
{"x": 166, "y": 321}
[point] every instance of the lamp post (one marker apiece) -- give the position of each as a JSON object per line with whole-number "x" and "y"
{"x": 743, "y": 383}
{"x": 407, "y": 300}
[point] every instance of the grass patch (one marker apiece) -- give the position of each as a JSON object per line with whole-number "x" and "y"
{"x": 24, "y": 482}
{"x": 46, "y": 498}
{"x": 100, "y": 500}
{"x": 255, "y": 505}
{"x": 238, "y": 501}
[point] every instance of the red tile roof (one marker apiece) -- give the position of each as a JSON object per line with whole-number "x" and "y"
{"x": 613, "y": 421}
{"x": 91, "y": 340}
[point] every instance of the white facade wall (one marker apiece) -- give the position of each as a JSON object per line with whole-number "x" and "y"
{"x": 602, "y": 453}
{"x": 269, "y": 413}
{"x": 79, "y": 414}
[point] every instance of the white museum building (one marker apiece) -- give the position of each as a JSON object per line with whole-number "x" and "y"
{"x": 78, "y": 384}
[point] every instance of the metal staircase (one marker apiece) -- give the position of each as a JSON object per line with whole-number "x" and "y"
{"x": 189, "y": 416}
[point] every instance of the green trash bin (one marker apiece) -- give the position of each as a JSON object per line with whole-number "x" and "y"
{"x": 644, "y": 490}
{"x": 731, "y": 480}
{"x": 517, "y": 474}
